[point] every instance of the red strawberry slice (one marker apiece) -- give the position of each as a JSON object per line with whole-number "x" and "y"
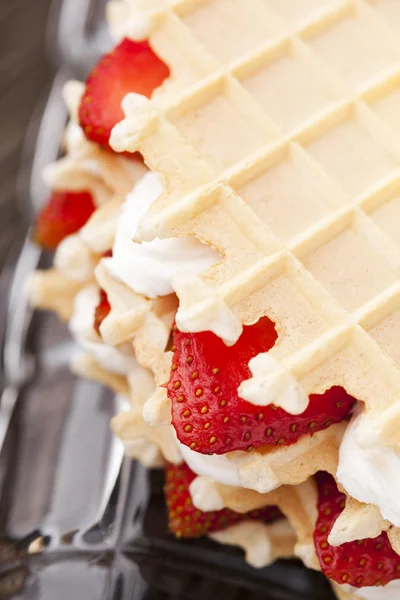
{"x": 185, "y": 520}
{"x": 103, "y": 308}
{"x": 130, "y": 67}
{"x": 363, "y": 563}
{"x": 207, "y": 412}
{"x": 102, "y": 311}
{"x": 64, "y": 213}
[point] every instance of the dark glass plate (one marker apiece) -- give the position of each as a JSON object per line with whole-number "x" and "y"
{"x": 78, "y": 521}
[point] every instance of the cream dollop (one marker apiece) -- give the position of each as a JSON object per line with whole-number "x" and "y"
{"x": 117, "y": 360}
{"x": 371, "y": 475}
{"x": 75, "y": 139}
{"x": 217, "y": 467}
{"x": 148, "y": 268}
{"x": 391, "y": 591}
{"x": 272, "y": 383}
{"x": 125, "y": 19}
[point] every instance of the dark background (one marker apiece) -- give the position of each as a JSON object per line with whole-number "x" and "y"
{"x": 25, "y": 73}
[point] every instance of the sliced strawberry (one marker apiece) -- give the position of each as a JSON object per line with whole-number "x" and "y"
{"x": 63, "y": 214}
{"x": 363, "y": 563}
{"x": 130, "y": 67}
{"x": 102, "y": 311}
{"x": 103, "y": 308}
{"x": 207, "y": 412}
{"x": 185, "y": 520}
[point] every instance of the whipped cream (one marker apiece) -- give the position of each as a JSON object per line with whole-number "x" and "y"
{"x": 125, "y": 19}
{"x": 371, "y": 475}
{"x": 74, "y": 138}
{"x": 119, "y": 360}
{"x": 149, "y": 268}
{"x": 215, "y": 466}
{"x": 391, "y": 591}
{"x": 272, "y": 383}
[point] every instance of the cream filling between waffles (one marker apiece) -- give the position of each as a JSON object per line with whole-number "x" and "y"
{"x": 149, "y": 268}
{"x": 117, "y": 360}
{"x": 264, "y": 472}
{"x": 128, "y": 19}
{"x": 218, "y": 467}
{"x": 391, "y": 591}
{"x": 371, "y": 475}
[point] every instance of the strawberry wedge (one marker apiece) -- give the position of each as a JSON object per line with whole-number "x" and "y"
{"x": 64, "y": 213}
{"x": 207, "y": 412}
{"x": 102, "y": 311}
{"x": 130, "y": 67}
{"x": 362, "y": 563}
{"x": 185, "y": 520}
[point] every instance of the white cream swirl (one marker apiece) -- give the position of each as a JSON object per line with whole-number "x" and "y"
{"x": 391, "y": 591}
{"x": 217, "y": 467}
{"x": 117, "y": 360}
{"x": 149, "y": 268}
{"x": 371, "y": 475}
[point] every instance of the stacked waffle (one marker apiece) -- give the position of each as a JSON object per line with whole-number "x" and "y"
{"x": 243, "y": 294}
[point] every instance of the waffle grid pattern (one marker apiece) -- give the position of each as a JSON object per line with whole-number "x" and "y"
{"x": 275, "y": 103}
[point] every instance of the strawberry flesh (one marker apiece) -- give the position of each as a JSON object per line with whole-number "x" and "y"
{"x": 103, "y": 308}
{"x": 207, "y": 412}
{"x": 130, "y": 67}
{"x": 64, "y": 213}
{"x": 185, "y": 520}
{"x": 102, "y": 311}
{"x": 362, "y": 563}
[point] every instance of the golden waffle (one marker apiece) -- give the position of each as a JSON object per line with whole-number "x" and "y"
{"x": 262, "y": 543}
{"x": 286, "y": 152}
{"x": 109, "y": 178}
{"x": 297, "y": 503}
{"x": 50, "y": 290}
{"x": 269, "y": 101}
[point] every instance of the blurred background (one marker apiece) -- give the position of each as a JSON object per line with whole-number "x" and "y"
{"x": 26, "y": 74}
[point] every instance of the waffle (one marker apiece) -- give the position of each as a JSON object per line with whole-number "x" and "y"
{"x": 77, "y": 264}
{"x": 50, "y": 290}
{"x": 153, "y": 446}
{"x": 85, "y": 165}
{"x": 297, "y": 503}
{"x": 109, "y": 178}
{"x": 261, "y": 543}
{"x": 145, "y": 326}
{"x": 263, "y": 100}
{"x": 268, "y": 101}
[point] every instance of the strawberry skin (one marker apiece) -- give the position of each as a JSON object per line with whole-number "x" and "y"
{"x": 130, "y": 67}
{"x": 104, "y": 307}
{"x": 64, "y": 213}
{"x": 185, "y": 520}
{"x": 207, "y": 412}
{"x": 363, "y": 563}
{"x": 102, "y": 311}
